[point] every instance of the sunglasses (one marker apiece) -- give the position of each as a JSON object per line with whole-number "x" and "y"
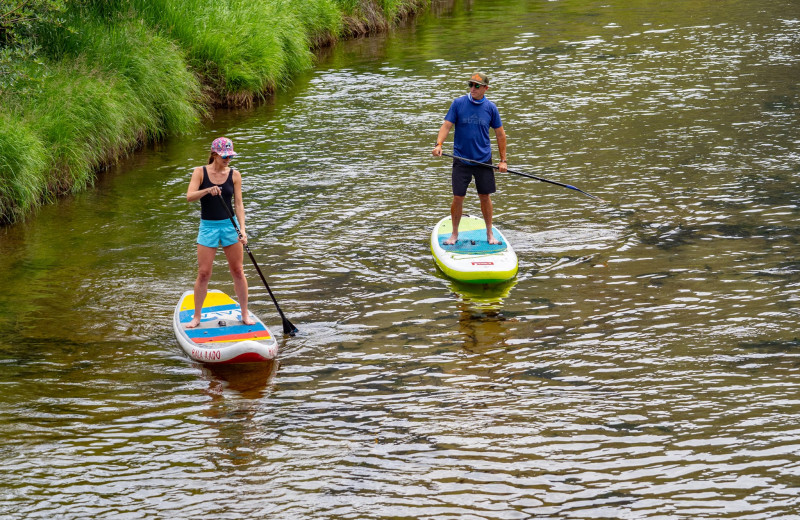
{"x": 472, "y": 84}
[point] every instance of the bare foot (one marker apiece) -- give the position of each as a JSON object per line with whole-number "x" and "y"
{"x": 493, "y": 241}
{"x": 247, "y": 320}
{"x": 194, "y": 323}
{"x": 450, "y": 241}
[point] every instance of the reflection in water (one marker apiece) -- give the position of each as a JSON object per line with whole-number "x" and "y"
{"x": 485, "y": 297}
{"x": 237, "y": 393}
{"x": 481, "y": 313}
{"x": 249, "y": 380}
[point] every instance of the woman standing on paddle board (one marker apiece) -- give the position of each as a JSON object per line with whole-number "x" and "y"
{"x": 473, "y": 115}
{"x": 216, "y": 184}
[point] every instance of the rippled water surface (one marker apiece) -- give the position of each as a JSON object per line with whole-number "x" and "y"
{"x": 645, "y": 363}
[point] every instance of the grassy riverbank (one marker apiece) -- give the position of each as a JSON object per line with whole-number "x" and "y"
{"x": 82, "y": 83}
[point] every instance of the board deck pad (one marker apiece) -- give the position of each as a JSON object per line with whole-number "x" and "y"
{"x": 472, "y": 243}
{"x": 471, "y": 237}
{"x": 221, "y": 321}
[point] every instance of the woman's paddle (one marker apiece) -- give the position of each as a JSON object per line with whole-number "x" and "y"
{"x": 525, "y": 175}
{"x": 288, "y": 328}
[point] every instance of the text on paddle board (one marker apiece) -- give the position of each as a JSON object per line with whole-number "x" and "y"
{"x": 204, "y": 354}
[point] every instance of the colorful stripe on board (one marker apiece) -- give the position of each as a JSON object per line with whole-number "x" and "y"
{"x": 202, "y": 335}
{"x": 186, "y": 316}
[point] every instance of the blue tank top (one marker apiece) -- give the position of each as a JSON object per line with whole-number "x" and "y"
{"x": 210, "y": 205}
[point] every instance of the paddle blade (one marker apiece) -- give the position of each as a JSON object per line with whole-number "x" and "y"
{"x": 288, "y": 328}
{"x": 587, "y": 194}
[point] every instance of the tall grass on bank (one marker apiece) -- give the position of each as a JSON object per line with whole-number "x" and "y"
{"x": 142, "y": 70}
{"x": 113, "y": 74}
{"x": 111, "y": 89}
{"x": 243, "y": 49}
{"x": 364, "y": 17}
{"x": 24, "y": 168}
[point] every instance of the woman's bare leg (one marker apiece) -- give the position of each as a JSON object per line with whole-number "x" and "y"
{"x": 205, "y": 264}
{"x": 235, "y": 255}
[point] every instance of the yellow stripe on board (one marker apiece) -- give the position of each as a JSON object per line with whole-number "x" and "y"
{"x": 212, "y": 299}
{"x": 468, "y": 223}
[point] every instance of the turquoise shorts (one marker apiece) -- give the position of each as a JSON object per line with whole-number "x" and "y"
{"x": 215, "y": 233}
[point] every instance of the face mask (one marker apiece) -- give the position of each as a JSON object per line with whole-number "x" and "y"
{"x": 477, "y": 102}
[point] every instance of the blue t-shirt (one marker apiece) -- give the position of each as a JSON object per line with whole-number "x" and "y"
{"x": 472, "y": 122}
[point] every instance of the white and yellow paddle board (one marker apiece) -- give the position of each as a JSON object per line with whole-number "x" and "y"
{"x": 472, "y": 259}
{"x": 222, "y": 337}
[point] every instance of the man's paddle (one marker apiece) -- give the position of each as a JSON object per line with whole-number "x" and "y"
{"x": 525, "y": 175}
{"x": 288, "y": 328}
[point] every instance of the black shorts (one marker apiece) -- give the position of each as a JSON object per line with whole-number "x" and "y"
{"x": 463, "y": 174}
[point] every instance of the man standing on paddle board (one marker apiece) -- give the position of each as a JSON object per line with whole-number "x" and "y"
{"x": 216, "y": 184}
{"x": 473, "y": 115}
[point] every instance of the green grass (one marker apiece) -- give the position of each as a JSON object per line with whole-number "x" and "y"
{"x": 24, "y": 167}
{"x": 391, "y": 8}
{"x": 243, "y": 49}
{"x": 88, "y": 81}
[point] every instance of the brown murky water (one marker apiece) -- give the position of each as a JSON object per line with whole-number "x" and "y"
{"x": 644, "y": 364}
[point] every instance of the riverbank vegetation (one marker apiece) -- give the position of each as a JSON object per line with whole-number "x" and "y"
{"x": 84, "y": 82}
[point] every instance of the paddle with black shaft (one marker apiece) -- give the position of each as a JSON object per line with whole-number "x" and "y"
{"x": 525, "y": 175}
{"x": 288, "y": 328}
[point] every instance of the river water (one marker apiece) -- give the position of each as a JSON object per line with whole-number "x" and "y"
{"x": 645, "y": 363}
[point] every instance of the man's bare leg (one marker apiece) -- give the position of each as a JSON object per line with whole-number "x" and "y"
{"x": 486, "y": 210}
{"x": 456, "y": 209}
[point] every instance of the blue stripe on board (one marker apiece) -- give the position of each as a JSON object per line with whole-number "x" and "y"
{"x": 186, "y": 316}
{"x": 224, "y": 331}
{"x": 473, "y": 243}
